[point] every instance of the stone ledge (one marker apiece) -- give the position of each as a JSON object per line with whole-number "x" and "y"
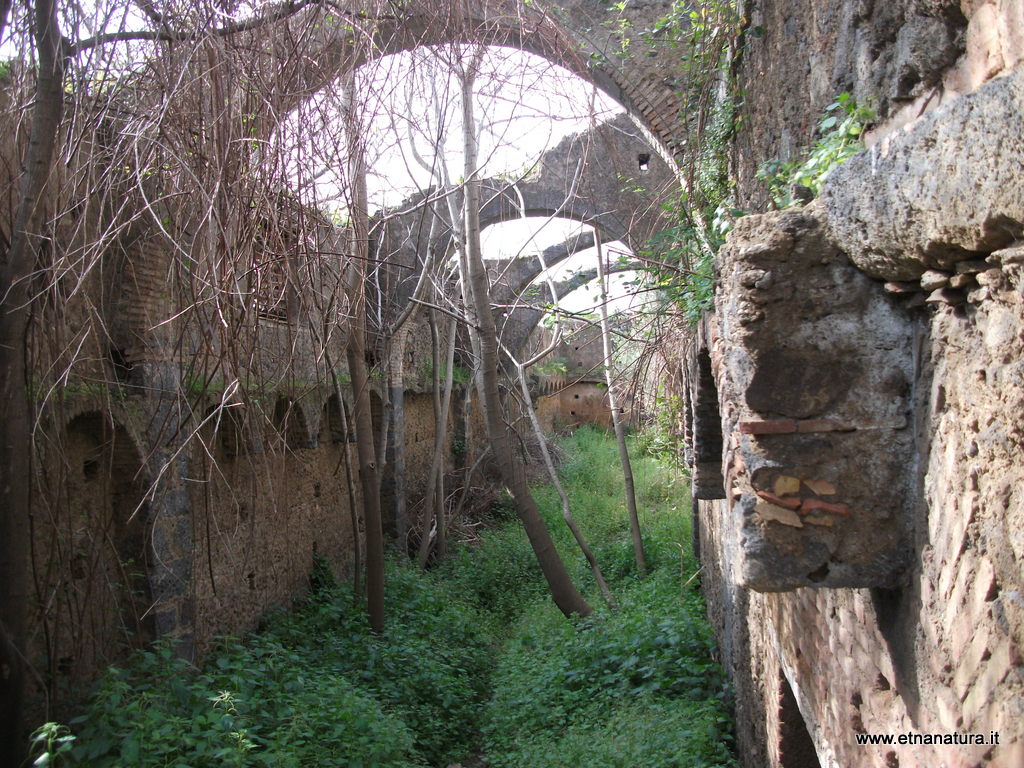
{"x": 945, "y": 191}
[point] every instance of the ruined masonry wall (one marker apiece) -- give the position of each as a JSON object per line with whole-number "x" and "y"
{"x": 937, "y": 650}
{"x": 933, "y": 214}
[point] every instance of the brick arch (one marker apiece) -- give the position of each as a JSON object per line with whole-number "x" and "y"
{"x": 521, "y": 323}
{"x": 504, "y": 202}
{"x": 291, "y": 427}
{"x": 564, "y": 32}
{"x": 223, "y": 431}
{"x": 541, "y": 199}
{"x": 593, "y": 164}
{"x": 520, "y": 273}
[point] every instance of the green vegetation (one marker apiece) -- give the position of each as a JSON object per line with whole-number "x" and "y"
{"x": 662, "y": 437}
{"x": 311, "y": 687}
{"x": 553, "y": 367}
{"x": 460, "y": 376}
{"x": 840, "y": 131}
{"x": 475, "y": 659}
{"x": 632, "y": 688}
{"x": 680, "y": 258}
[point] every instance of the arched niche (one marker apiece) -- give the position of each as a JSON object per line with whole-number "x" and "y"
{"x": 91, "y": 556}
{"x": 223, "y": 432}
{"x": 335, "y": 422}
{"x": 290, "y": 430}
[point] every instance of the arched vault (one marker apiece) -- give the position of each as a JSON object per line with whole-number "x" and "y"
{"x": 591, "y": 177}
{"x": 574, "y": 34}
{"x": 520, "y": 322}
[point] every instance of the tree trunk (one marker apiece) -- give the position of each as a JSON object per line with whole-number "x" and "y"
{"x": 346, "y": 460}
{"x": 357, "y": 368}
{"x": 570, "y": 522}
{"x": 434, "y": 497}
{"x": 395, "y": 342}
{"x": 620, "y": 432}
{"x": 396, "y": 435}
{"x": 563, "y": 591}
{"x": 15, "y": 461}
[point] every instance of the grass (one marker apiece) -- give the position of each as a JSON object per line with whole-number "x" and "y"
{"x": 636, "y": 687}
{"x": 476, "y": 662}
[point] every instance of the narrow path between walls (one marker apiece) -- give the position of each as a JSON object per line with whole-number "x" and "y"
{"x": 476, "y": 668}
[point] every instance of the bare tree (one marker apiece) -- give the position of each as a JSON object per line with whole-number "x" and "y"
{"x": 170, "y": 152}
{"x": 357, "y": 285}
{"x": 482, "y": 326}
{"x": 616, "y": 414}
{"x": 16, "y": 273}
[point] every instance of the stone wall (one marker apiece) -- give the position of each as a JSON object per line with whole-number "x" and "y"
{"x": 818, "y": 473}
{"x": 889, "y": 316}
{"x": 90, "y": 558}
{"x": 261, "y": 510}
{"x": 902, "y": 58}
{"x": 180, "y": 491}
{"x": 932, "y": 646}
{"x": 582, "y": 402}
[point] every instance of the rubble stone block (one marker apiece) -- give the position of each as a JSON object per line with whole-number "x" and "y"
{"x": 818, "y": 388}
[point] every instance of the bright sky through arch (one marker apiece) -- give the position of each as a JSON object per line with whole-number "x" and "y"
{"x": 411, "y": 117}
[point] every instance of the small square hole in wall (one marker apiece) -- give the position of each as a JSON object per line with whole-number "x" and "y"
{"x": 643, "y": 161}
{"x": 575, "y": 397}
{"x": 91, "y": 469}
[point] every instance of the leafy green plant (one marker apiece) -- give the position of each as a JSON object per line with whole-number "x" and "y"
{"x": 640, "y": 733}
{"x": 498, "y": 575}
{"x": 50, "y": 741}
{"x": 680, "y": 259}
{"x": 840, "y": 133}
{"x": 312, "y": 687}
{"x": 598, "y": 692}
{"x": 602, "y": 691}
{"x": 661, "y": 437}
{"x": 551, "y": 368}
{"x": 460, "y": 376}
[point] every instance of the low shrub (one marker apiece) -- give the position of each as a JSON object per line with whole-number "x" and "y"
{"x": 312, "y": 687}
